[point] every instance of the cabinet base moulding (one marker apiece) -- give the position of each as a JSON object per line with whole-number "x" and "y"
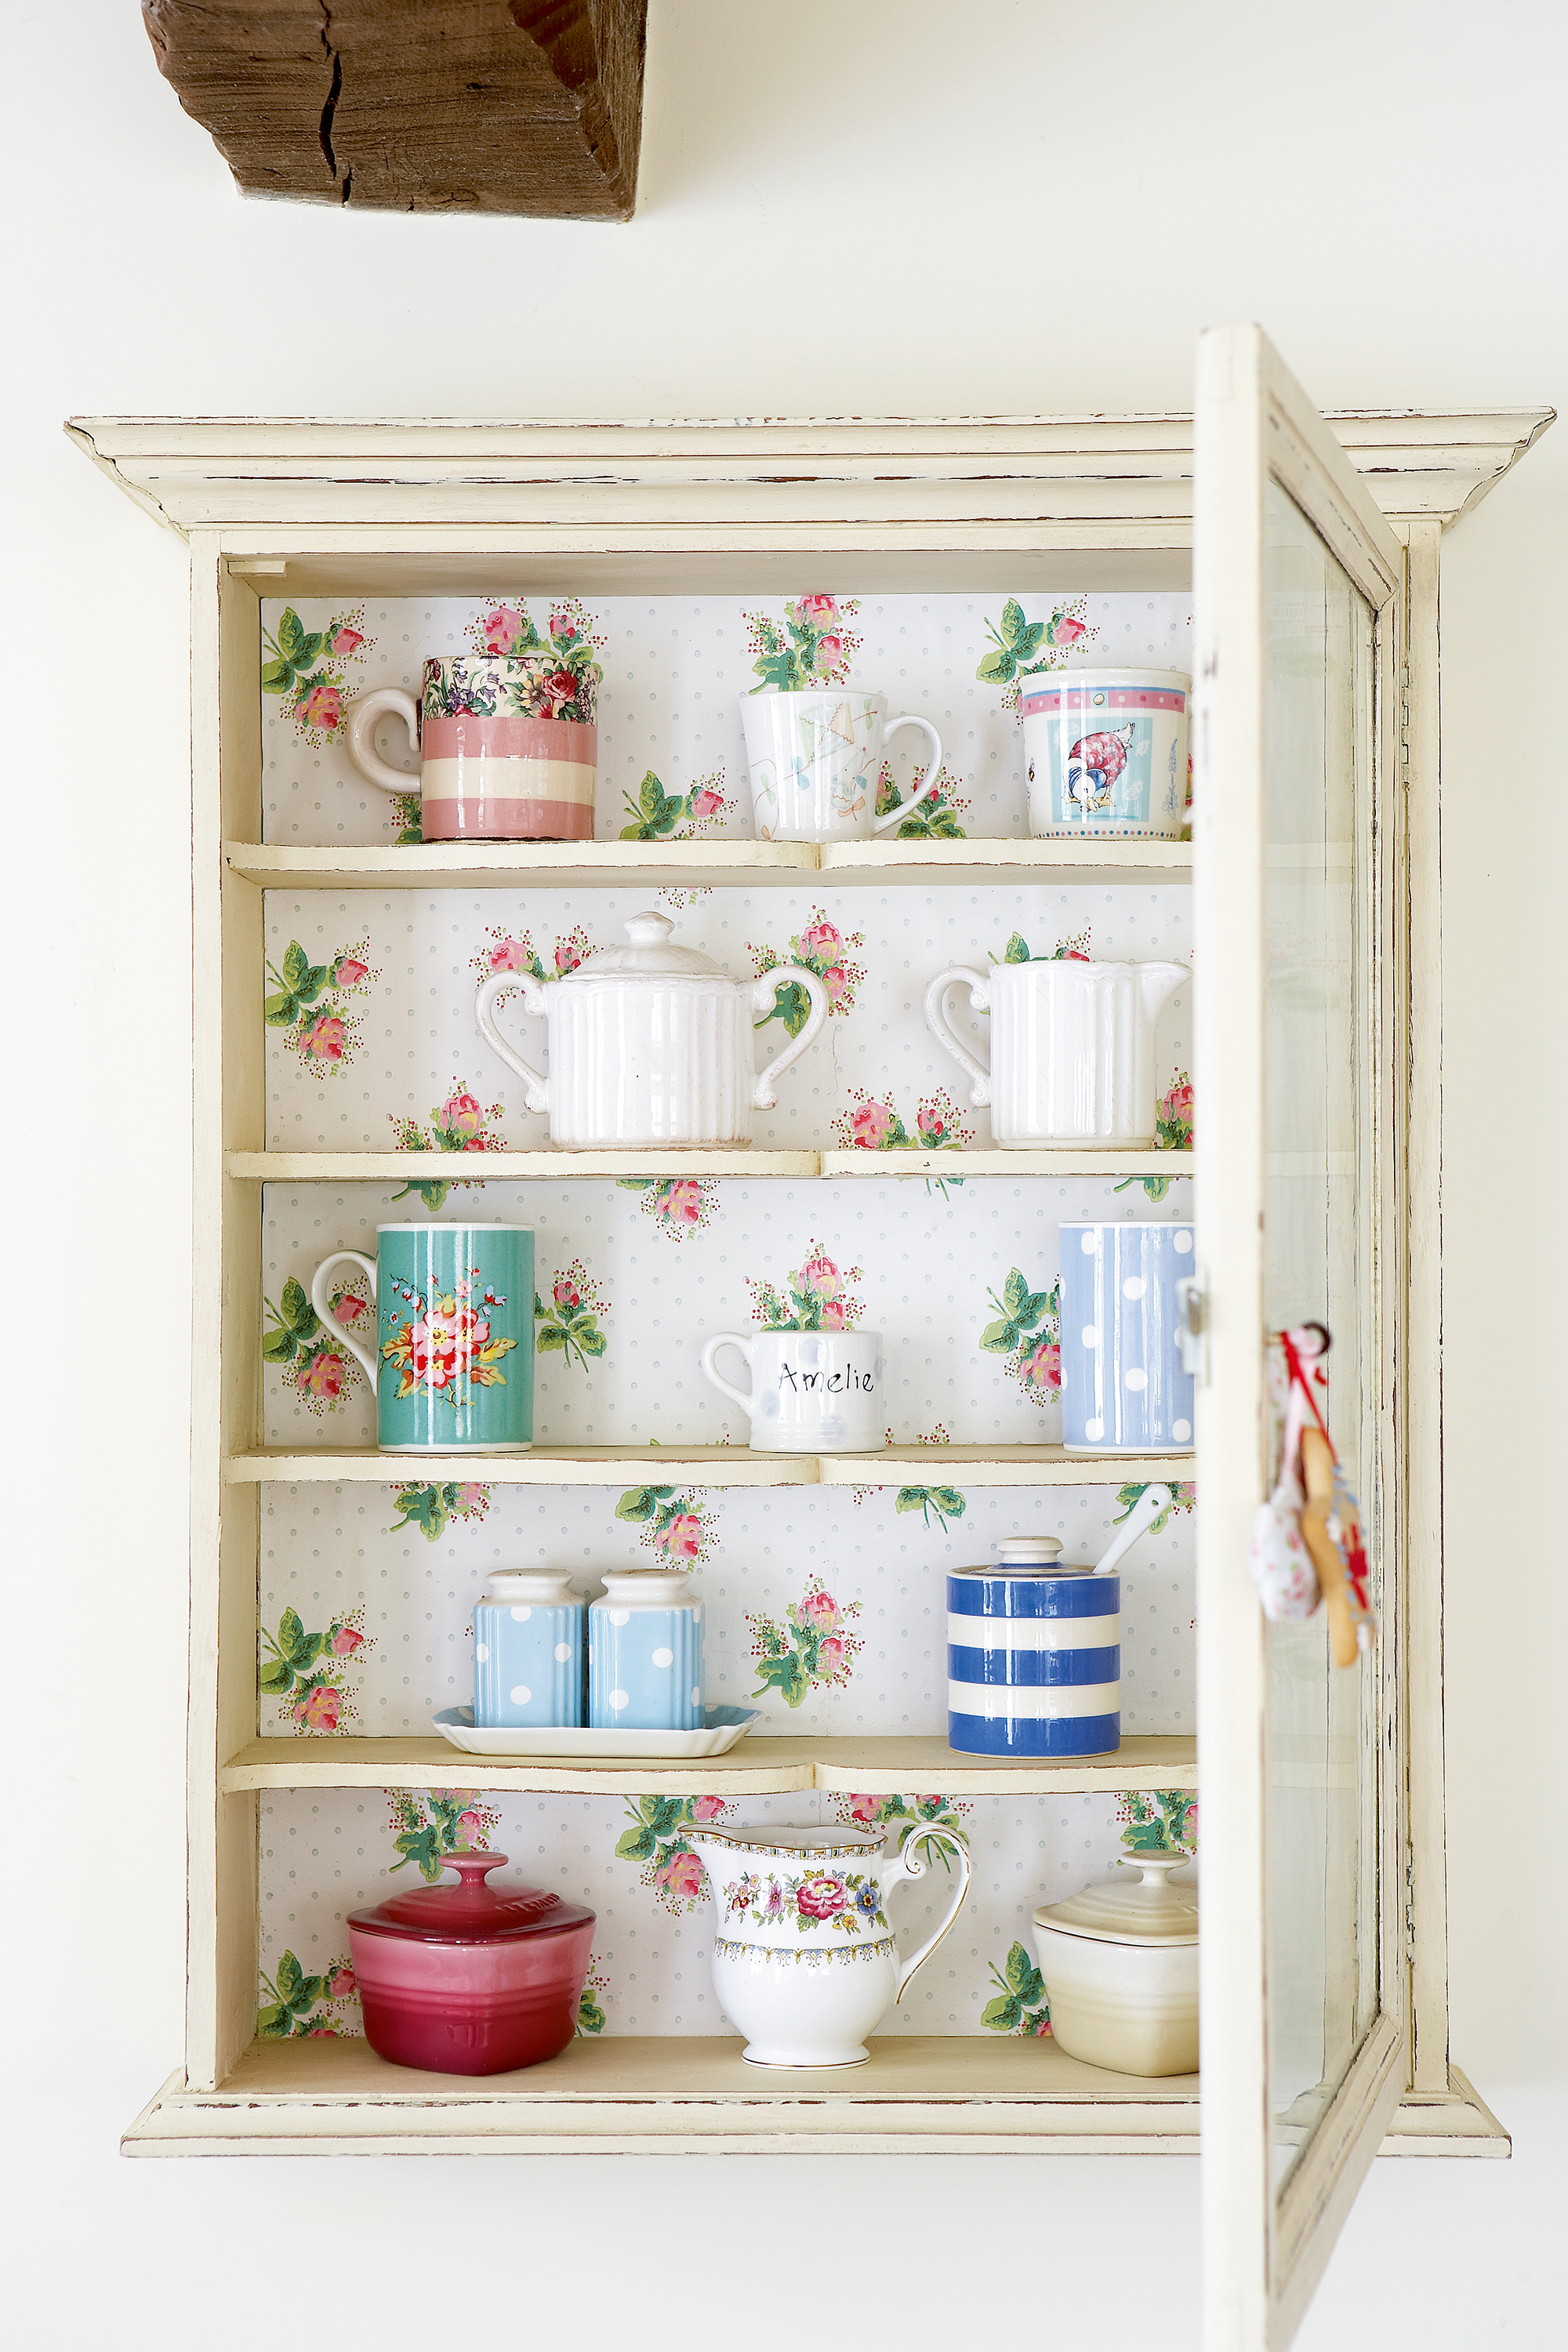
{"x": 671, "y": 2094}
{"x": 694, "y": 2094}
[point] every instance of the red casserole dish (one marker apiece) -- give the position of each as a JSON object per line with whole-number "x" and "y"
{"x": 470, "y": 1980}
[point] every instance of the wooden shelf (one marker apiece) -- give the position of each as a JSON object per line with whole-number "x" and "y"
{"x": 526, "y": 1166}
{"x": 985, "y": 864}
{"x": 756, "y": 1766}
{"x": 507, "y": 1166}
{"x": 998, "y": 1466}
{"x": 674, "y": 2093}
{"x": 707, "y": 1465}
{"x": 520, "y": 866}
{"x": 730, "y": 862}
{"x": 1086, "y": 1159}
{"x": 570, "y": 1466}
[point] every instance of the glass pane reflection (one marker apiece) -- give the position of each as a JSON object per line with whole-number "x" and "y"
{"x": 1322, "y": 1788}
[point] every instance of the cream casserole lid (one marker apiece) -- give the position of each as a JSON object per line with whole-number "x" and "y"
{"x": 1122, "y": 1911}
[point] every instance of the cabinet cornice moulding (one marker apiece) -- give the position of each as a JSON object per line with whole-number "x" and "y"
{"x": 1099, "y": 473}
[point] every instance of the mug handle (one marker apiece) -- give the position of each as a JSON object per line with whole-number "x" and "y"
{"x": 319, "y": 1301}
{"x": 880, "y": 823}
{"x": 363, "y": 713}
{"x": 937, "y": 1023}
{"x": 906, "y": 1866}
{"x": 763, "y": 997}
{"x": 538, "y": 1095}
{"x": 748, "y": 1404}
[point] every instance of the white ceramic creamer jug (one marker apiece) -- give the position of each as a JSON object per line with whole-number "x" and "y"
{"x": 804, "y": 1960}
{"x": 1072, "y": 1047}
{"x": 651, "y": 1044}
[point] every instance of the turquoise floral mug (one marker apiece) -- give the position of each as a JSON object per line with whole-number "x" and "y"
{"x": 453, "y": 1367}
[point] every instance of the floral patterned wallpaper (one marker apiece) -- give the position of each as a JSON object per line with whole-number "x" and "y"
{"x": 826, "y": 1607}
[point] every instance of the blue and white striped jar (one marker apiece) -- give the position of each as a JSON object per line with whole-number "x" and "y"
{"x": 1034, "y": 1655}
{"x": 645, "y": 1653}
{"x": 528, "y": 1650}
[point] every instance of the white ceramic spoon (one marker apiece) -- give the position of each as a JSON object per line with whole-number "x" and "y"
{"x": 1138, "y": 1521}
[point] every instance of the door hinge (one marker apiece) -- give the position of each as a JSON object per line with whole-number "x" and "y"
{"x": 1404, "y": 715}
{"x": 1409, "y": 1906}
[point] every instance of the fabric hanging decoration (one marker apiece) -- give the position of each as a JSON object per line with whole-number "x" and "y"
{"x": 1306, "y": 1544}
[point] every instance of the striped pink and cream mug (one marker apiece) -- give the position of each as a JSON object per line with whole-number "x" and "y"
{"x": 507, "y": 741}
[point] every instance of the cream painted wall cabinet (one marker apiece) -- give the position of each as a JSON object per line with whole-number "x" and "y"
{"x": 1312, "y": 549}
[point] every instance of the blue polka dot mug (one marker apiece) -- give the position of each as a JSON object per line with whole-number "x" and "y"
{"x": 1123, "y": 1388}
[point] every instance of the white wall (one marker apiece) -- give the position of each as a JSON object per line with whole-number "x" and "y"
{"x": 892, "y": 208}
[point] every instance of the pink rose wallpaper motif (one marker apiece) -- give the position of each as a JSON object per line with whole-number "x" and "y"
{"x": 461, "y": 1123}
{"x": 310, "y": 667}
{"x": 933, "y": 819}
{"x": 1173, "y": 1132}
{"x": 658, "y": 815}
{"x": 813, "y": 646}
{"x": 1020, "y": 2005}
{"x": 308, "y": 1003}
{"x": 674, "y": 1526}
{"x": 812, "y": 1645}
{"x": 506, "y": 951}
{"x": 299, "y": 2007}
{"x": 679, "y": 1205}
{"x": 428, "y": 1823}
{"x": 1027, "y": 1331}
{"x": 568, "y": 1321}
{"x": 875, "y": 1124}
{"x": 1183, "y": 1498}
{"x": 568, "y": 689}
{"x": 589, "y": 2001}
{"x": 1072, "y": 950}
{"x": 939, "y": 1502}
{"x": 1158, "y": 1820}
{"x": 906, "y": 1814}
{"x": 311, "y": 1674}
{"x": 320, "y": 1368}
{"x": 1021, "y": 647}
{"x": 821, "y": 948}
{"x": 815, "y": 1297}
{"x": 432, "y": 1508}
{"x": 657, "y": 1839}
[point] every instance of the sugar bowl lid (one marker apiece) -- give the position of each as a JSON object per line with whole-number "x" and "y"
{"x": 650, "y": 956}
{"x": 1026, "y": 1555}
{"x": 471, "y": 1912}
{"x": 1149, "y": 1912}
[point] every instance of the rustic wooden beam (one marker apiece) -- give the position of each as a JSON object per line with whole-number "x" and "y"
{"x": 482, "y": 106}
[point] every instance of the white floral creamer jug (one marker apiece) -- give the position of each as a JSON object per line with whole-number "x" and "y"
{"x": 804, "y": 1959}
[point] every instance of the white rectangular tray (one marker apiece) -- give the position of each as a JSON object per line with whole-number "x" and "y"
{"x": 723, "y": 1728}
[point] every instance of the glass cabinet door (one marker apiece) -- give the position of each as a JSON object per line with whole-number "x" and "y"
{"x": 1298, "y": 588}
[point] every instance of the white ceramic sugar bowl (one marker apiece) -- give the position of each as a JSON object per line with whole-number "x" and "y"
{"x": 649, "y": 1044}
{"x": 1120, "y": 1969}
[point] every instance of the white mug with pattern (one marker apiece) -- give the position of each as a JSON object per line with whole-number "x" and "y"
{"x": 811, "y": 1392}
{"x": 814, "y": 756}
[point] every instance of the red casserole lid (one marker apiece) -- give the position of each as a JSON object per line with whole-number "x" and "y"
{"x": 470, "y": 1913}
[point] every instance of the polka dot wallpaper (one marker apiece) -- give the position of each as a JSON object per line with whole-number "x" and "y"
{"x": 391, "y": 1585}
